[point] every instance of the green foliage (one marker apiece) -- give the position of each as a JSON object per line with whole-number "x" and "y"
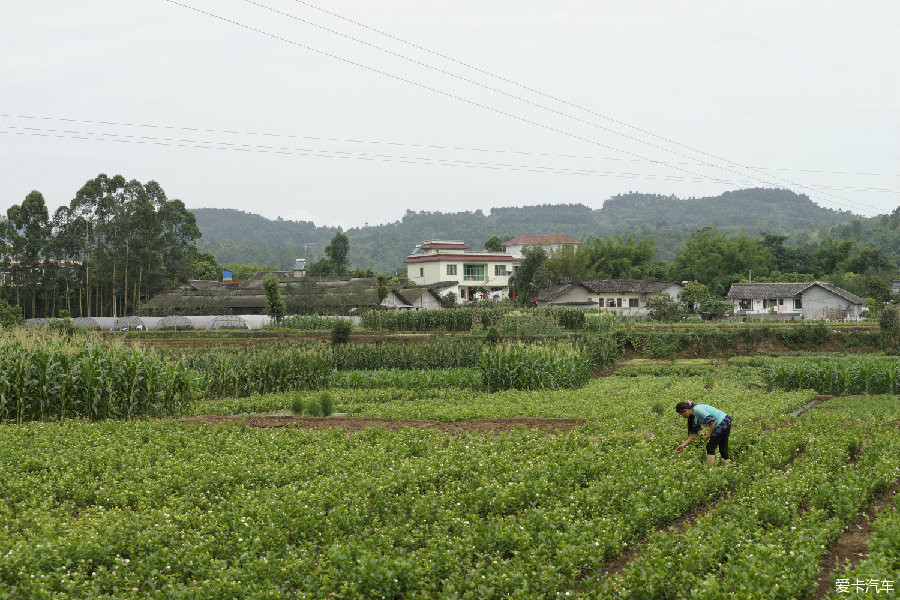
{"x": 531, "y": 276}
{"x": 275, "y": 306}
{"x": 837, "y": 377}
{"x": 529, "y": 368}
{"x": 458, "y": 319}
{"x": 889, "y": 327}
{"x": 408, "y": 379}
{"x": 340, "y": 331}
{"x": 416, "y": 513}
{"x": 438, "y": 354}
{"x": 529, "y": 324}
{"x": 602, "y": 351}
{"x": 10, "y": 316}
{"x": 259, "y": 370}
{"x": 661, "y": 307}
{"x": 205, "y": 267}
{"x": 47, "y": 379}
{"x": 604, "y": 321}
{"x": 494, "y": 244}
{"x": 306, "y": 322}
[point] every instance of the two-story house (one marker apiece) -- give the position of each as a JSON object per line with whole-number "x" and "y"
{"x": 441, "y": 261}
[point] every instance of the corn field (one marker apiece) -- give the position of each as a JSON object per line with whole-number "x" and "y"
{"x": 836, "y": 377}
{"x": 429, "y": 355}
{"x": 51, "y": 379}
{"x": 244, "y": 373}
{"x": 533, "y": 368}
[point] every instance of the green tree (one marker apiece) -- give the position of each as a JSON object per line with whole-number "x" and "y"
{"x": 693, "y": 294}
{"x": 495, "y": 244}
{"x": 28, "y": 233}
{"x": 717, "y": 260}
{"x": 275, "y": 306}
{"x": 10, "y": 315}
{"x": 338, "y": 251}
{"x": 530, "y": 276}
{"x": 661, "y": 307}
{"x": 206, "y": 268}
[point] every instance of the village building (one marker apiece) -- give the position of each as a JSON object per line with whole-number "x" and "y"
{"x": 627, "y": 297}
{"x": 807, "y": 300}
{"x": 477, "y": 275}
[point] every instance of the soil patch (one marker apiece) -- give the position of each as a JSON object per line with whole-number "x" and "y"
{"x": 852, "y": 546}
{"x": 354, "y": 424}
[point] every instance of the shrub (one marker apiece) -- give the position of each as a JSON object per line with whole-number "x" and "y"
{"x": 340, "y": 331}
{"x": 326, "y": 404}
{"x": 601, "y": 322}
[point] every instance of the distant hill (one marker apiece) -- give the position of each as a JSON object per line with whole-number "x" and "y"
{"x": 240, "y": 237}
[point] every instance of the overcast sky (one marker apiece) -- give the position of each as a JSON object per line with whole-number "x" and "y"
{"x": 264, "y": 110}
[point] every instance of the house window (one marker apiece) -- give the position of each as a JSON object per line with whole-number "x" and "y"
{"x": 745, "y": 304}
{"x": 421, "y": 271}
{"x": 633, "y": 303}
{"x": 611, "y": 302}
{"x": 618, "y": 303}
{"x": 451, "y": 269}
{"x": 781, "y": 302}
{"x": 798, "y": 304}
{"x": 473, "y": 272}
{"x": 499, "y": 270}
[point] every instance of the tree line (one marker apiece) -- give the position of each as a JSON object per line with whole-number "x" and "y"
{"x": 117, "y": 244}
{"x": 716, "y": 260}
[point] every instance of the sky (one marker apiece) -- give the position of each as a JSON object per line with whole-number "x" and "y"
{"x": 351, "y": 112}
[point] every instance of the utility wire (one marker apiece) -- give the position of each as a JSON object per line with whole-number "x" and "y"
{"x": 448, "y": 94}
{"x": 320, "y": 153}
{"x": 549, "y": 96}
{"x": 407, "y": 144}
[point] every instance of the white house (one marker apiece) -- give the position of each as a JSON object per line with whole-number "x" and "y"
{"x": 549, "y": 243}
{"x": 624, "y": 296}
{"x": 807, "y": 300}
{"x": 442, "y": 261}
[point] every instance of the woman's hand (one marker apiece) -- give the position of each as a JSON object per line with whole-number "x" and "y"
{"x": 679, "y": 448}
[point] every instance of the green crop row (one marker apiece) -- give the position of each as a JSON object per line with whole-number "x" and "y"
{"x": 50, "y": 379}
{"x": 445, "y": 354}
{"x": 881, "y": 565}
{"x": 420, "y": 379}
{"x": 836, "y": 377}
{"x": 161, "y": 510}
{"x": 773, "y": 534}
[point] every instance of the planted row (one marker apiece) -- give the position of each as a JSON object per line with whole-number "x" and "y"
{"x": 53, "y": 380}
{"x": 836, "y": 377}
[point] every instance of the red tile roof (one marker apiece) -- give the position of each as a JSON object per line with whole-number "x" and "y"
{"x": 542, "y": 240}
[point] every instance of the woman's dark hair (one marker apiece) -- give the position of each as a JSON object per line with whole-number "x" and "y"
{"x": 683, "y": 406}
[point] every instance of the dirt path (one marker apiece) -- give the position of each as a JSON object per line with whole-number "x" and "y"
{"x": 852, "y": 546}
{"x": 354, "y": 424}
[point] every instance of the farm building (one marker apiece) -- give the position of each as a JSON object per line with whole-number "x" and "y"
{"x": 624, "y": 296}
{"x": 807, "y": 300}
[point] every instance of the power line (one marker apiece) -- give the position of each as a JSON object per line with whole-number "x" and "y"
{"x": 530, "y": 89}
{"x": 465, "y": 100}
{"x": 320, "y": 153}
{"x": 402, "y": 144}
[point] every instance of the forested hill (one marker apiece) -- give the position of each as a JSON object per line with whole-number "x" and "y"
{"x": 237, "y": 237}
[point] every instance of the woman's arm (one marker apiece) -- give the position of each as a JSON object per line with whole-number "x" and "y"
{"x": 712, "y": 427}
{"x": 684, "y": 444}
